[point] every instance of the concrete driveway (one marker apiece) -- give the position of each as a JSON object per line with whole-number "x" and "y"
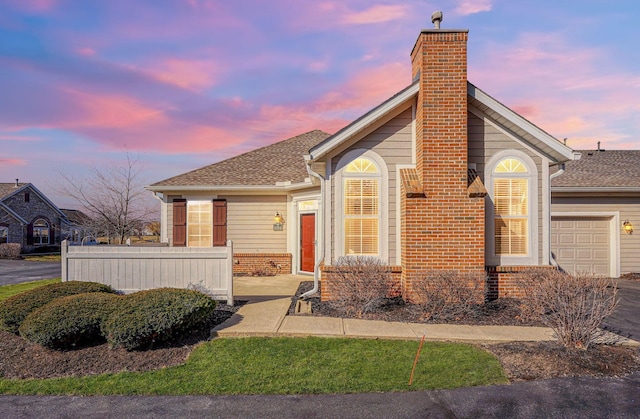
{"x": 625, "y": 321}
{"x": 17, "y": 271}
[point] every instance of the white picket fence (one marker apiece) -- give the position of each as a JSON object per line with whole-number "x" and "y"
{"x": 129, "y": 269}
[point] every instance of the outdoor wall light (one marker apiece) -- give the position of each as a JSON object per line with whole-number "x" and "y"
{"x": 278, "y": 221}
{"x": 628, "y": 227}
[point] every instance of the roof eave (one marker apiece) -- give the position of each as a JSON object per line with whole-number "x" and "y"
{"x": 595, "y": 189}
{"x": 364, "y": 121}
{"x": 283, "y": 187}
{"x": 562, "y": 150}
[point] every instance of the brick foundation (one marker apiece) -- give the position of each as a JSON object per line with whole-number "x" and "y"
{"x": 502, "y": 281}
{"x": 330, "y": 274}
{"x": 261, "y": 264}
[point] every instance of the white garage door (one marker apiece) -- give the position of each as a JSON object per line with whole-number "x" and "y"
{"x": 581, "y": 244}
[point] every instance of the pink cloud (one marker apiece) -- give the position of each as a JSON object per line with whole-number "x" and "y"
{"x": 188, "y": 74}
{"x": 12, "y": 162}
{"x": 35, "y": 5}
{"x": 567, "y": 90}
{"x": 19, "y": 138}
{"x": 469, "y": 7}
{"x": 86, "y": 51}
{"x": 375, "y": 14}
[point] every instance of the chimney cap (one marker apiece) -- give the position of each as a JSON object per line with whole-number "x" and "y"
{"x": 436, "y": 18}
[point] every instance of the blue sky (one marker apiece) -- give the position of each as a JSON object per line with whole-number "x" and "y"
{"x": 186, "y": 83}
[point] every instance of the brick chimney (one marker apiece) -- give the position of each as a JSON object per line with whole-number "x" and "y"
{"x": 442, "y": 225}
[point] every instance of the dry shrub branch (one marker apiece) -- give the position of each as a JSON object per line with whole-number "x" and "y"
{"x": 361, "y": 286}
{"x": 573, "y": 306}
{"x": 448, "y": 295}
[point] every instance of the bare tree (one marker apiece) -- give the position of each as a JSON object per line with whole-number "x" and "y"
{"x": 113, "y": 198}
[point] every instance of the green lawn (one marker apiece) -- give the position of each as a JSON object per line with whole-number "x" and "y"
{"x": 291, "y": 366}
{"x": 7, "y": 291}
{"x": 285, "y": 366}
{"x": 43, "y": 258}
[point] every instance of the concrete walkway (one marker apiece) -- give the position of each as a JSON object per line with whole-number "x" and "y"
{"x": 269, "y": 299}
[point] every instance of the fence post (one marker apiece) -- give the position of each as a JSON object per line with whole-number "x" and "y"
{"x": 64, "y": 248}
{"x": 229, "y": 272}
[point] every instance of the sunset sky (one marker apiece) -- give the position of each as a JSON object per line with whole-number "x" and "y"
{"x": 186, "y": 83}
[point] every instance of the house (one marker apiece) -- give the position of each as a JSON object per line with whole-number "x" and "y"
{"x": 28, "y": 217}
{"x": 439, "y": 176}
{"x": 595, "y": 206}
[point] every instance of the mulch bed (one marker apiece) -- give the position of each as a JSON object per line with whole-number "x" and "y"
{"x": 22, "y": 359}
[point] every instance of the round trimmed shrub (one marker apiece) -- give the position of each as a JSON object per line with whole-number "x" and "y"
{"x": 70, "y": 322}
{"x": 16, "y": 308}
{"x": 154, "y": 316}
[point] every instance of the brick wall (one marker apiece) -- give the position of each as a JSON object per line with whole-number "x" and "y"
{"x": 502, "y": 281}
{"x": 330, "y": 274}
{"x": 442, "y": 227}
{"x": 261, "y": 263}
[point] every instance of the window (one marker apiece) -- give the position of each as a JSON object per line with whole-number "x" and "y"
{"x": 26, "y": 197}
{"x": 511, "y": 208}
{"x": 361, "y": 197}
{"x": 40, "y": 232}
{"x": 199, "y": 223}
{"x": 4, "y": 234}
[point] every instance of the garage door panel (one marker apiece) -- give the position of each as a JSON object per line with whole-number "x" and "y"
{"x": 567, "y": 238}
{"x": 581, "y": 244}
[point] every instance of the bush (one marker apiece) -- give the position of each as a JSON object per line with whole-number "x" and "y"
{"x": 448, "y": 295}
{"x": 573, "y": 306}
{"x": 15, "y": 309}
{"x": 70, "y": 322}
{"x": 362, "y": 284}
{"x": 154, "y": 316}
{"x": 10, "y": 250}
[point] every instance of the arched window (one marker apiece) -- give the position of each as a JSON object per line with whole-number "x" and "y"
{"x": 40, "y": 232}
{"x": 361, "y": 210}
{"x": 511, "y": 207}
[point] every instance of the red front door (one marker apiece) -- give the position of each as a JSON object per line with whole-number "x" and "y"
{"x": 307, "y": 242}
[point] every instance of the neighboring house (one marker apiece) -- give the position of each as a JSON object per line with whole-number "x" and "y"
{"x": 595, "y": 206}
{"x": 28, "y": 217}
{"x": 78, "y": 226}
{"x": 439, "y": 176}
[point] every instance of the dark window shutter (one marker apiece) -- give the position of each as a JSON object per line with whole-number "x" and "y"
{"x": 219, "y": 222}
{"x": 180, "y": 222}
{"x": 30, "y": 234}
{"x": 52, "y": 234}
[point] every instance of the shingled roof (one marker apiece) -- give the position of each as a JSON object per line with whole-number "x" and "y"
{"x": 7, "y": 189}
{"x": 266, "y": 166}
{"x": 615, "y": 169}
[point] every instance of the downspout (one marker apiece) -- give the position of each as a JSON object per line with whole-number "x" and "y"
{"x": 560, "y": 171}
{"x": 316, "y": 268}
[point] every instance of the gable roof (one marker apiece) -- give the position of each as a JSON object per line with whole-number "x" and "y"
{"x": 13, "y": 214}
{"x": 275, "y": 166}
{"x": 514, "y": 124}
{"x": 9, "y": 189}
{"x": 611, "y": 170}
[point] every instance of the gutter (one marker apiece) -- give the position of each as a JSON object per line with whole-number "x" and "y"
{"x": 551, "y": 177}
{"x": 316, "y": 268}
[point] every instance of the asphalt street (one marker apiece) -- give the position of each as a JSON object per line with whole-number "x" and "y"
{"x": 16, "y": 271}
{"x": 625, "y": 321}
{"x": 560, "y": 397}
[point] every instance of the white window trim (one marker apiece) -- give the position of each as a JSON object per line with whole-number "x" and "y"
{"x": 383, "y": 224}
{"x": 191, "y": 202}
{"x": 532, "y": 177}
{"x": 5, "y": 228}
